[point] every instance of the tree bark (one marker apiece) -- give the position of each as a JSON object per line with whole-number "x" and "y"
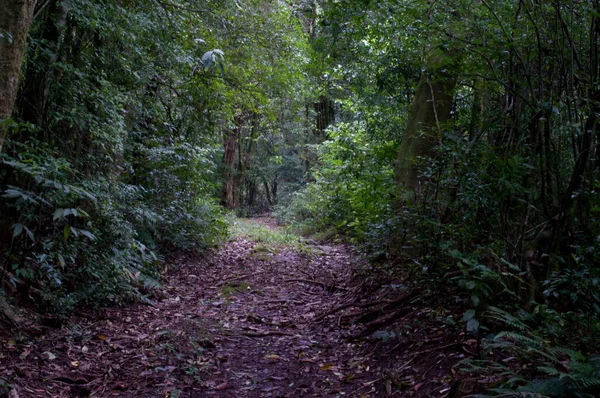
{"x": 230, "y": 149}
{"x": 15, "y": 20}
{"x": 430, "y": 109}
{"x": 268, "y": 192}
{"x": 246, "y": 155}
{"x": 235, "y": 174}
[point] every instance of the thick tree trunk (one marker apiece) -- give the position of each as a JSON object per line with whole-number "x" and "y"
{"x": 16, "y": 17}
{"x": 33, "y": 98}
{"x": 430, "y": 110}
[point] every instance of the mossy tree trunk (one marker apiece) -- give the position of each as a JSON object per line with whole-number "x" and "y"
{"x": 430, "y": 110}
{"x": 16, "y": 17}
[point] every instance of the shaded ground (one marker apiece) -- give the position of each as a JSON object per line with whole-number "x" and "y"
{"x": 250, "y": 320}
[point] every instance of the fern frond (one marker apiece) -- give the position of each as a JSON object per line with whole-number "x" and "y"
{"x": 507, "y": 319}
{"x": 589, "y": 382}
{"x": 519, "y": 338}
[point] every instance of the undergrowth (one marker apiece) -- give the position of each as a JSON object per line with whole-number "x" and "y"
{"x": 253, "y": 231}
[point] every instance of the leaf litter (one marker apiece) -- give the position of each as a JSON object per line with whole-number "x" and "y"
{"x": 295, "y": 323}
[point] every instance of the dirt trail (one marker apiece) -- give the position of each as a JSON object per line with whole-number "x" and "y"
{"x": 239, "y": 323}
{"x": 249, "y": 320}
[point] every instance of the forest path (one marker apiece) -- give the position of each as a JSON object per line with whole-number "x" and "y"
{"x": 239, "y": 322}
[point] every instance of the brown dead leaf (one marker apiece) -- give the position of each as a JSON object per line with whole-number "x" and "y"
{"x": 222, "y": 386}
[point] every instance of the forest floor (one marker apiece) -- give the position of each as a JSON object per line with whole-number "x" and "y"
{"x": 260, "y": 317}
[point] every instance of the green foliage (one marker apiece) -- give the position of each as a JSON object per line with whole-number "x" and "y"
{"x": 114, "y": 163}
{"x": 353, "y": 188}
{"x": 506, "y": 203}
{"x": 256, "y": 232}
{"x": 551, "y": 371}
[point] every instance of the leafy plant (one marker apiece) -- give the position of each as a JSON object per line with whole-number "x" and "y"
{"x": 545, "y": 370}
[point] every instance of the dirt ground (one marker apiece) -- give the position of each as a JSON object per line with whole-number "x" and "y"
{"x": 249, "y": 320}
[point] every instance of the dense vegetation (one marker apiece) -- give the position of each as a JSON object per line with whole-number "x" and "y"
{"x": 113, "y": 153}
{"x": 455, "y": 142}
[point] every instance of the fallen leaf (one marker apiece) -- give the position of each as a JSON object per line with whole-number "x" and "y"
{"x": 25, "y": 354}
{"x": 221, "y": 386}
{"x": 75, "y": 363}
{"x": 274, "y": 357}
{"x": 175, "y": 393}
{"x": 370, "y": 383}
{"x": 51, "y": 356}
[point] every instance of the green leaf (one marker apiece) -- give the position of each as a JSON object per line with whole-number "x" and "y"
{"x": 66, "y": 232}
{"x": 11, "y": 193}
{"x": 17, "y": 230}
{"x": 473, "y": 325}
{"x": 470, "y": 314}
{"x": 58, "y": 214}
{"x": 208, "y": 59}
{"x": 29, "y": 233}
{"x": 87, "y": 234}
{"x": 61, "y": 260}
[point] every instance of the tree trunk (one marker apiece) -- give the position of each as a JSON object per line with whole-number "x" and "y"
{"x": 15, "y": 20}
{"x": 268, "y": 192}
{"x": 274, "y": 190}
{"x": 33, "y": 98}
{"x": 430, "y": 109}
{"x": 230, "y": 149}
{"x": 235, "y": 175}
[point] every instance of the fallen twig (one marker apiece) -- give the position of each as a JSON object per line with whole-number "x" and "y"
{"x": 237, "y": 278}
{"x": 443, "y": 347}
{"x": 266, "y": 334}
{"x": 284, "y": 301}
{"x": 349, "y": 305}
{"x": 330, "y": 288}
{"x": 367, "y": 316}
{"x": 379, "y": 323}
{"x": 366, "y": 385}
{"x": 366, "y": 305}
